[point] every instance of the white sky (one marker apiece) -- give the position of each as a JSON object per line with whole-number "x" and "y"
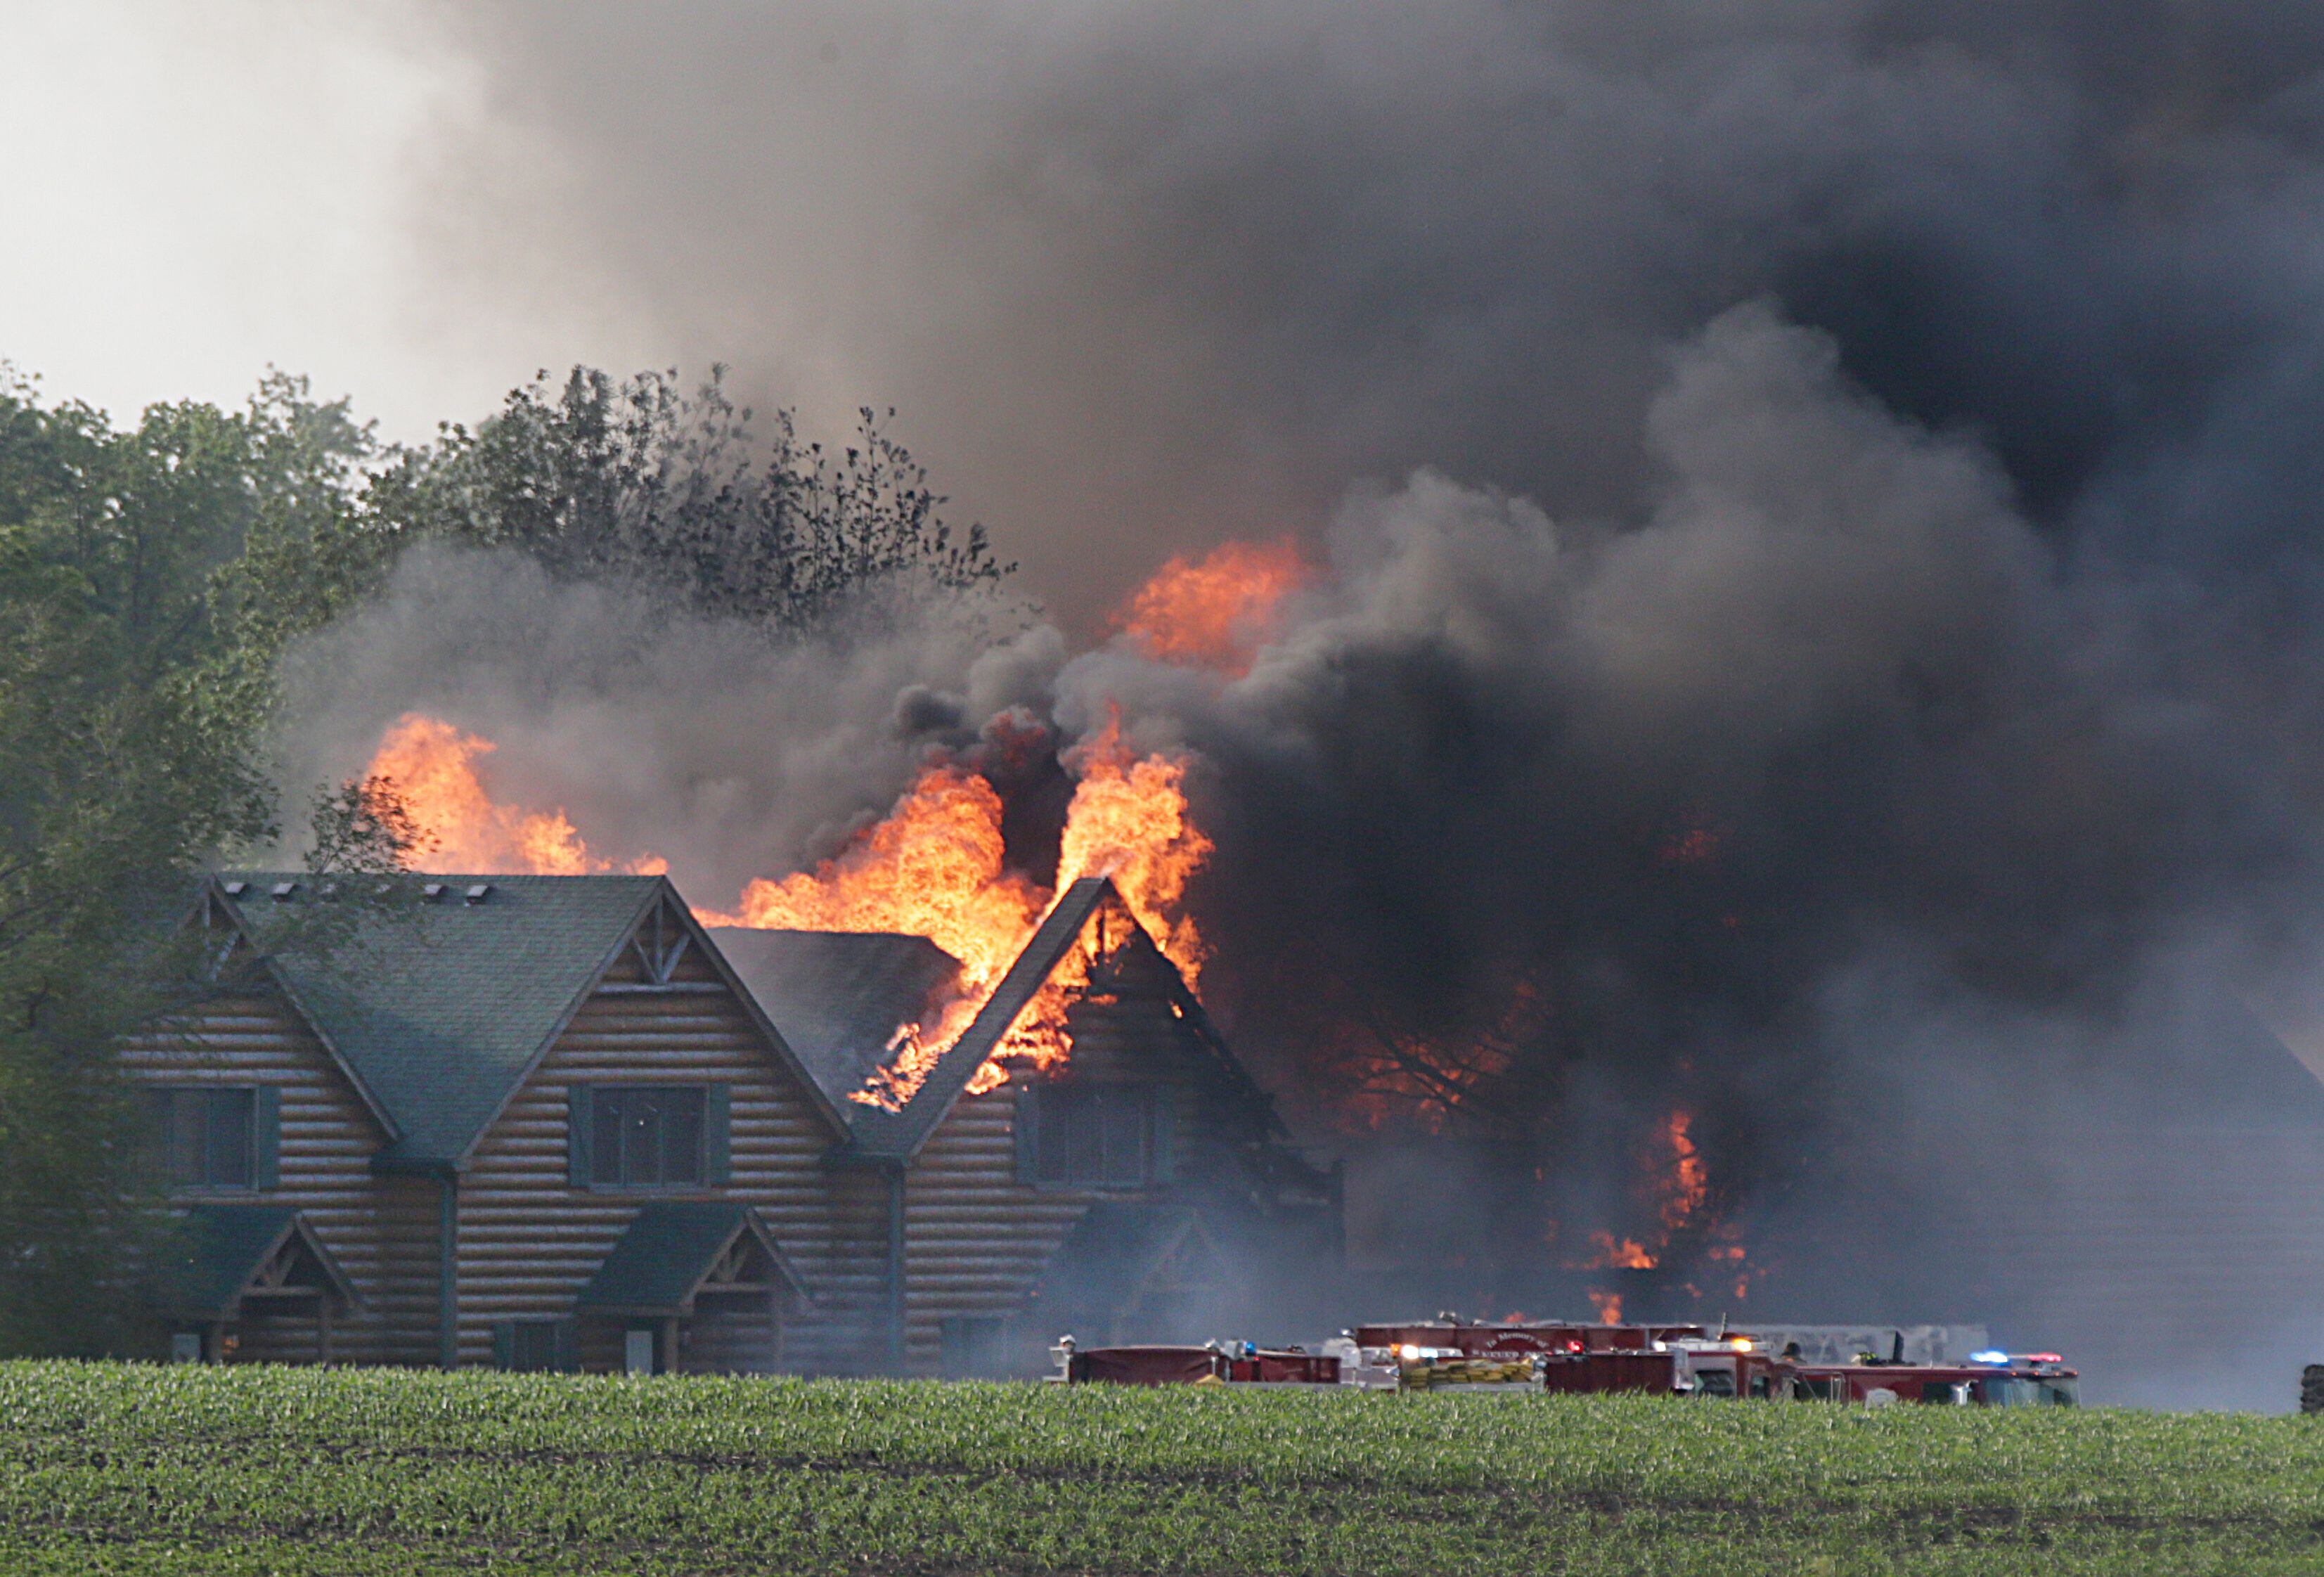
{"x": 196, "y": 189}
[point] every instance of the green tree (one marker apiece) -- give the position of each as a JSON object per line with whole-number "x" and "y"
{"x": 148, "y": 579}
{"x": 633, "y": 479}
{"x": 151, "y": 577}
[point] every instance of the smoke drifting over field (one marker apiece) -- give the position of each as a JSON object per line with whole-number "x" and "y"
{"x": 1810, "y": 517}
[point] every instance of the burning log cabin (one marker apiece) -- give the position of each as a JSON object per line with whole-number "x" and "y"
{"x": 541, "y": 1122}
{"x": 1089, "y": 1155}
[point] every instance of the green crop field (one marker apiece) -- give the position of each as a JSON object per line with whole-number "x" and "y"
{"x": 108, "y": 1468}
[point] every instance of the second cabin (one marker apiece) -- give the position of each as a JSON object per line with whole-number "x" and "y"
{"x": 1088, "y": 1156}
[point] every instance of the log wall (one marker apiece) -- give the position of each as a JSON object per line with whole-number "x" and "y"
{"x": 255, "y": 1037}
{"x": 529, "y": 1241}
{"x": 977, "y": 1239}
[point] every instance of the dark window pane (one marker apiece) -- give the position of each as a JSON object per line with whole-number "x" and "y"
{"x": 228, "y": 1161}
{"x": 642, "y": 1138}
{"x": 681, "y": 1137}
{"x": 201, "y": 1138}
{"x": 605, "y": 1137}
{"x": 1124, "y": 1116}
{"x": 1094, "y": 1136}
{"x": 646, "y": 1136}
{"x": 1086, "y": 1147}
{"x": 187, "y": 1115}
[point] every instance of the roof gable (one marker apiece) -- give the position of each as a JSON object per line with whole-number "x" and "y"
{"x": 672, "y": 1251}
{"x": 898, "y": 1135}
{"x": 443, "y": 1009}
{"x": 229, "y": 944}
{"x": 1120, "y": 1250}
{"x": 236, "y": 1250}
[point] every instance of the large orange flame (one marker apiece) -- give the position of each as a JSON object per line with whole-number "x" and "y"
{"x": 933, "y": 867}
{"x": 1215, "y": 612}
{"x": 1128, "y": 820}
{"x": 431, "y": 767}
{"x": 1681, "y": 1189}
{"x": 1628, "y": 1254}
{"x": 1687, "y": 1185}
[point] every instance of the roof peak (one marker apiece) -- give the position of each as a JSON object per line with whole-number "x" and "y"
{"x": 527, "y": 878}
{"x": 879, "y": 1131}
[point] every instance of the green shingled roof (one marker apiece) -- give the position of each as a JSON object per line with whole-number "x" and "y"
{"x": 663, "y": 1256}
{"x": 226, "y": 1246}
{"x": 440, "y": 1007}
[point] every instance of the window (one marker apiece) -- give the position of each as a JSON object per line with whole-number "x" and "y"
{"x": 210, "y": 1138}
{"x": 646, "y": 1136}
{"x": 1089, "y": 1135}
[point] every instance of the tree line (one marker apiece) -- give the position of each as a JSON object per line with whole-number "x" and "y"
{"x": 151, "y": 577}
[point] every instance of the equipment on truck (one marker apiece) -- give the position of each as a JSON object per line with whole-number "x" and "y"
{"x": 1238, "y": 1363}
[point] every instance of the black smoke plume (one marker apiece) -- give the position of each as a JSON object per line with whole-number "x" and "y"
{"x": 1814, "y": 507}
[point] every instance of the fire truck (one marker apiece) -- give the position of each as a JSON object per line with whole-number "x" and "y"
{"x": 1427, "y": 1355}
{"x": 1549, "y": 1355}
{"x": 1448, "y": 1355}
{"x": 1988, "y": 1379}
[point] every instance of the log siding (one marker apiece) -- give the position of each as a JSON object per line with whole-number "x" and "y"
{"x": 253, "y": 1036}
{"x": 977, "y": 1239}
{"x": 530, "y": 1241}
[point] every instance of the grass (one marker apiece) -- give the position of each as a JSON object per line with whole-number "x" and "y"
{"x": 121, "y": 1468}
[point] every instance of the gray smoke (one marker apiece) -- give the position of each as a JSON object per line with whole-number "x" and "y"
{"x": 1815, "y": 501}
{"x": 657, "y": 733}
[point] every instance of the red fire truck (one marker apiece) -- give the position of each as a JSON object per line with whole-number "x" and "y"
{"x": 1543, "y": 1355}
{"x": 1990, "y": 1380}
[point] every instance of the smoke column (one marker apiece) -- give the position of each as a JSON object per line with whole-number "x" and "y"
{"x": 1813, "y": 581}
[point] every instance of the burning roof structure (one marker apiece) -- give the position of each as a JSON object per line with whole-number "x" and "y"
{"x": 856, "y": 997}
{"x": 1614, "y": 967}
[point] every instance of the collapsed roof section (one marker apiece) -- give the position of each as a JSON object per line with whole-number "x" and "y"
{"x": 840, "y": 999}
